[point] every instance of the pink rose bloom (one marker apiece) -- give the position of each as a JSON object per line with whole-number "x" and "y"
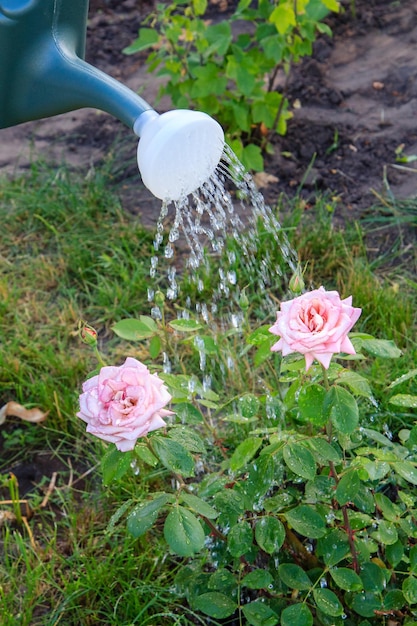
{"x": 315, "y": 324}
{"x": 124, "y": 403}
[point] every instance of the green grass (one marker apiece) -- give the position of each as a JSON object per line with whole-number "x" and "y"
{"x": 68, "y": 251}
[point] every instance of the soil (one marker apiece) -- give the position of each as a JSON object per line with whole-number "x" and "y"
{"x": 354, "y": 102}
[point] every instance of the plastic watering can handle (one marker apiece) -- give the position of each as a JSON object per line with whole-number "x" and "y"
{"x": 42, "y": 71}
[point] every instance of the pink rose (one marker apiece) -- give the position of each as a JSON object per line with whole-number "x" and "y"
{"x": 315, "y": 324}
{"x": 124, "y": 403}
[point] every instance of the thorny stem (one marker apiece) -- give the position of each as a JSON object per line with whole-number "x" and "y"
{"x": 346, "y": 524}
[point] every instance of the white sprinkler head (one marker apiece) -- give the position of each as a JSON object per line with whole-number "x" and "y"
{"x": 178, "y": 151}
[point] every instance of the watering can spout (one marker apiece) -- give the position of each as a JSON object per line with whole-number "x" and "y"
{"x": 43, "y": 73}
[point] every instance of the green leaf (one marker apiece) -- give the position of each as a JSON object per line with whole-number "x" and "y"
{"x": 296, "y": 615}
{"x": 386, "y": 533}
{"x": 413, "y": 559}
{"x": 356, "y": 383}
{"x": 135, "y": 329}
{"x": 394, "y": 600}
{"x": 365, "y": 604}
{"x": 222, "y": 580}
{"x": 332, "y": 5}
{"x": 334, "y": 547}
{"x": 323, "y": 451}
{"x": 409, "y": 589}
{"x": 115, "y": 464}
{"x": 311, "y": 404}
{"x": 373, "y": 577}
{"x": 173, "y": 455}
{"x": 199, "y": 506}
{"x": 258, "y": 613}
{"x": 187, "y": 413}
{"x": 347, "y": 487}
{"x": 406, "y": 470}
{"x": 185, "y": 326}
{"x": 257, "y": 579}
{"x": 300, "y": 460}
{"x": 404, "y": 400}
{"x": 215, "y": 604}
{"x": 144, "y": 454}
{"x": 346, "y": 579}
{"x": 394, "y": 553}
{"x": 328, "y": 602}
{"x": 403, "y": 378}
{"x": 187, "y": 438}
{"x": 260, "y": 335}
{"x": 252, "y": 158}
{"x": 248, "y": 405}
{"x": 183, "y": 532}
{"x": 283, "y": 17}
{"x": 244, "y": 452}
{"x": 146, "y": 39}
{"x": 143, "y": 516}
{"x": 155, "y": 346}
{"x": 306, "y": 521}
{"x": 382, "y": 347}
{"x": 342, "y": 409}
{"x": 240, "y": 539}
{"x": 269, "y": 534}
{"x": 294, "y": 576}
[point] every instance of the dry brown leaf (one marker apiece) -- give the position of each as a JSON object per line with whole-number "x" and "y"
{"x": 17, "y": 410}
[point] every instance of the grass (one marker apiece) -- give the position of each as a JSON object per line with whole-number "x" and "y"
{"x": 68, "y": 252}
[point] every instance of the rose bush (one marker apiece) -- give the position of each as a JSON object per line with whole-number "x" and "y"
{"x": 315, "y": 324}
{"x": 124, "y": 403}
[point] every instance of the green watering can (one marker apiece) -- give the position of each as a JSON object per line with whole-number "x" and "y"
{"x": 43, "y": 73}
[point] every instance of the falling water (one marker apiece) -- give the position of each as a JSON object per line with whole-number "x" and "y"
{"x": 227, "y": 207}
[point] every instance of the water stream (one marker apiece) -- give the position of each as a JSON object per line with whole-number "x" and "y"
{"x": 225, "y": 219}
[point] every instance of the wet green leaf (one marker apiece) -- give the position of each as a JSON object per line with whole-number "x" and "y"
{"x": 143, "y": 516}
{"x": 115, "y": 464}
{"x": 382, "y": 347}
{"x": 188, "y": 413}
{"x": 257, "y": 579}
{"x": 306, "y": 521}
{"x": 296, "y": 615}
{"x": 311, "y": 404}
{"x": 258, "y": 613}
{"x": 199, "y": 506}
{"x": 173, "y": 455}
{"x": 245, "y": 451}
{"x": 240, "y": 539}
{"x": 215, "y": 604}
{"x": 183, "y": 532}
{"x": 346, "y": 579}
{"x": 409, "y": 589}
{"x": 294, "y": 576}
{"x": 406, "y": 470}
{"x": 185, "y": 326}
{"x": 187, "y": 438}
{"x": 300, "y": 460}
{"x": 269, "y": 534}
{"x": 135, "y": 329}
{"x": 347, "y": 487}
{"x": 386, "y": 533}
{"x": 328, "y": 602}
{"x": 365, "y": 604}
{"x": 341, "y": 407}
{"x": 404, "y": 400}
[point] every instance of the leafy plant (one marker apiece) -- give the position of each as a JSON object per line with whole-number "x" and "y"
{"x": 286, "y": 507}
{"x": 233, "y": 76}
